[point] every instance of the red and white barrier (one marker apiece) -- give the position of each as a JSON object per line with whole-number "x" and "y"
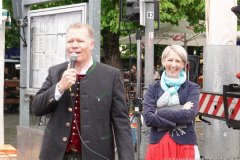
{"x": 212, "y": 105}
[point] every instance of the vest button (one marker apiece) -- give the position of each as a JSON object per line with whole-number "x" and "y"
{"x": 70, "y": 109}
{"x": 64, "y": 139}
{"x": 67, "y": 124}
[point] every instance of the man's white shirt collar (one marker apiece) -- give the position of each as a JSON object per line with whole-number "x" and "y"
{"x": 86, "y": 68}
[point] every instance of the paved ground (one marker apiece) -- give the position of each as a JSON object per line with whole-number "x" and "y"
{"x": 11, "y": 120}
{"x": 200, "y": 136}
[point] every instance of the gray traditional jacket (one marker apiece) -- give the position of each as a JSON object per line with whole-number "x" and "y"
{"x": 103, "y": 111}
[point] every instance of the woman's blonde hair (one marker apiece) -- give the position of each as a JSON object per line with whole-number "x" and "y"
{"x": 178, "y": 50}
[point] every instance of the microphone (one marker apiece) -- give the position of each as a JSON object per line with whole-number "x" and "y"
{"x": 73, "y": 59}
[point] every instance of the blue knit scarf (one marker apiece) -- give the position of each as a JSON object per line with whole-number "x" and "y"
{"x": 170, "y": 86}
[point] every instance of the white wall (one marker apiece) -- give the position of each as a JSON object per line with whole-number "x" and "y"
{"x": 221, "y": 22}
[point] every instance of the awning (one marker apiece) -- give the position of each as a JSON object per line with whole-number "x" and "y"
{"x": 169, "y": 34}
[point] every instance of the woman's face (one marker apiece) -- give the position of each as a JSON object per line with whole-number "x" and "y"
{"x": 173, "y": 65}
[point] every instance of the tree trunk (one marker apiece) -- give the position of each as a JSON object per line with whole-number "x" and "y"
{"x": 110, "y": 48}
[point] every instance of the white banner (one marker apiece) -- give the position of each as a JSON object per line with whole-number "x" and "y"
{"x": 221, "y": 22}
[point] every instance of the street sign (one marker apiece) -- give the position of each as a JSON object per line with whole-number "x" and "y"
{"x": 150, "y": 15}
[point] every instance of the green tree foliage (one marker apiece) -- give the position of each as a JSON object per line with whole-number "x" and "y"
{"x": 11, "y": 35}
{"x": 191, "y": 10}
{"x": 175, "y": 10}
{"x": 110, "y": 33}
{"x": 170, "y": 11}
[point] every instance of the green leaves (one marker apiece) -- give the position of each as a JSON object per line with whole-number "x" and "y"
{"x": 110, "y": 20}
{"x": 12, "y": 39}
{"x": 170, "y": 11}
{"x": 191, "y": 10}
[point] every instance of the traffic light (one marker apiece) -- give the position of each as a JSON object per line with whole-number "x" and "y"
{"x": 132, "y": 10}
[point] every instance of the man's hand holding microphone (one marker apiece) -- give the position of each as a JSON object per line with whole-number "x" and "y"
{"x": 69, "y": 76}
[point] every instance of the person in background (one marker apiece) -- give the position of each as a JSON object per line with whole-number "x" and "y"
{"x": 170, "y": 108}
{"x": 7, "y": 75}
{"x": 86, "y": 105}
{"x": 200, "y": 75}
{"x": 156, "y": 75}
{"x": 133, "y": 73}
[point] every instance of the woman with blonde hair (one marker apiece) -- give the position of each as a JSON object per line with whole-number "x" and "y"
{"x": 170, "y": 108}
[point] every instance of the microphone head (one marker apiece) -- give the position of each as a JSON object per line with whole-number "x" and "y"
{"x": 73, "y": 59}
{"x": 73, "y": 56}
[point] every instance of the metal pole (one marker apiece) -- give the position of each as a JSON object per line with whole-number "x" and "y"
{"x": 24, "y": 97}
{"x": 148, "y": 70}
{"x": 94, "y": 21}
{"x": 149, "y": 44}
{"x": 138, "y": 95}
{"x": 139, "y": 63}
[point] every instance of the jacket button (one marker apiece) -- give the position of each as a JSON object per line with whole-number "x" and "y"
{"x": 70, "y": 109}
{"x": 64, "y": 139}
{"x": 72, "y": 94}
{"x": 67, "y": 124}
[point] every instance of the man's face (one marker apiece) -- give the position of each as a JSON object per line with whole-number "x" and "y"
{"x": 78, "y": 41}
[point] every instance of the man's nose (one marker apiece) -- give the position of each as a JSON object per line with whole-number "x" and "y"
{"x": 75, "y": 44}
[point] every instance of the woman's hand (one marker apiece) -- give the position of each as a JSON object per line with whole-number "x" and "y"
{"x": 188, "y": 105}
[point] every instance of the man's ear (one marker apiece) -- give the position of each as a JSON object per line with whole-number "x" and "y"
{"x": 92, "y": 44}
